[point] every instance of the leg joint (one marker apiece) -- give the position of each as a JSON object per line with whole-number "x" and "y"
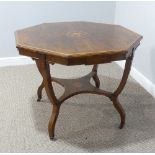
{"x": 113, "y": 96}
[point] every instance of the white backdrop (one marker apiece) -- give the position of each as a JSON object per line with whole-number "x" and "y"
{"x": 140, "y": 17}
{"x": 16, "y": 15}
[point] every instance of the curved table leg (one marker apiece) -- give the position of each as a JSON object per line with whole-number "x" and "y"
{"x": 39, "y": 91}
{"x": 44, "y": 70}
{"x": 121, "y": 111}
{"x": 52, "y": 121}
{"x": 95, "y": 76}
{"x": 115, "y": 95}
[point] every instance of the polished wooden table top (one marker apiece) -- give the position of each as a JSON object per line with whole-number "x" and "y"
{"x": 72, "y": 43}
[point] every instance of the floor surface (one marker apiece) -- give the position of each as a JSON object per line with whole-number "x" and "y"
{"x": 87, "y": 123}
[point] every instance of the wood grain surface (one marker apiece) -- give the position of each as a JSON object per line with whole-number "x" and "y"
{"x": 73, "y": 43}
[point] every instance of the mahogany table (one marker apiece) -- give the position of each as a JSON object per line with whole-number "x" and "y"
{"x": 77, "y": 43}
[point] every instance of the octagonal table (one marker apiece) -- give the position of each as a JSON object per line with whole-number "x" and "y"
{"x": 77, "y": 43}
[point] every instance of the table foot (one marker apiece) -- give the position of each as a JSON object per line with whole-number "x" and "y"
{"x": 39, "y": 92}
{"x": 52, "y": 139}
{"x": 120, "y": 110}
{"x": 121, "y": 125}
{"x": 53, "y": 119}
{"x": 38, "y": 100}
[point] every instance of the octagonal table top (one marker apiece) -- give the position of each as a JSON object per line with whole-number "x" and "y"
{"x": 77, "y": 42}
